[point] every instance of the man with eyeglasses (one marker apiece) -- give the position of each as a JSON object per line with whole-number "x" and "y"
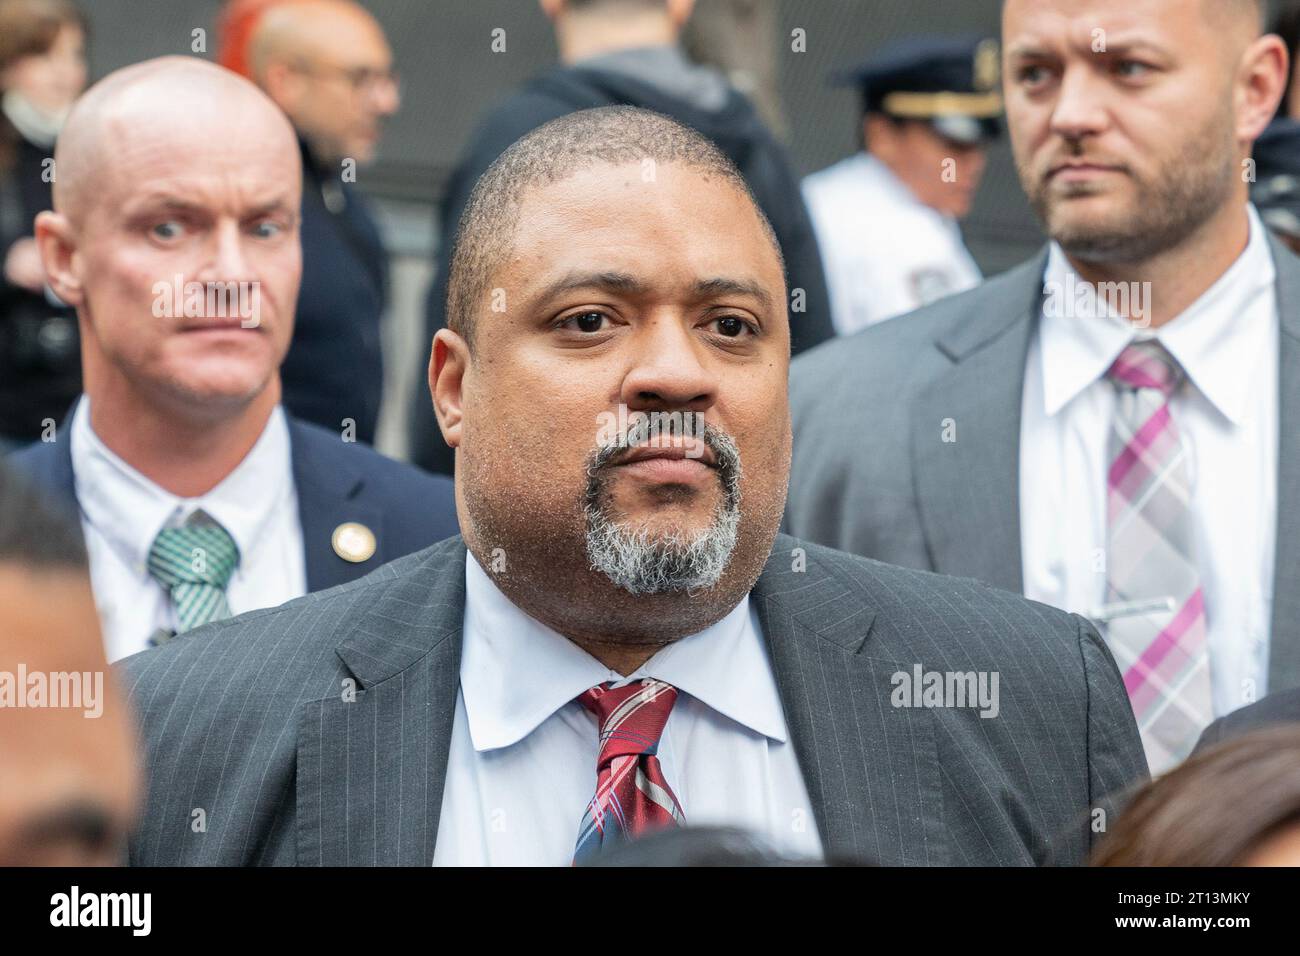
{"x": 327, "y": 64}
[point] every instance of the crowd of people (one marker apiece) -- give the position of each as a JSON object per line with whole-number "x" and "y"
{"x": 745, "y": 517}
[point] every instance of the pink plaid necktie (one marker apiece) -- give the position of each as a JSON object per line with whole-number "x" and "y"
{"x": 1163, "y": 654}
{"x": 632, "y": 795}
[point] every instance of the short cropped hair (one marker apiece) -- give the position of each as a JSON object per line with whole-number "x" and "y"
{"x": 608, "y": 135}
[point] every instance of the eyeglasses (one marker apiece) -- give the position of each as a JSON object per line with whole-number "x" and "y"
{"x": 360, "y": 79}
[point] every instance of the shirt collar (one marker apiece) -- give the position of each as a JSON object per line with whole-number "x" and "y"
{"x": 516, "y": 672}
{"x": 1214, "y": 339}
{"x": 129, "y": 509}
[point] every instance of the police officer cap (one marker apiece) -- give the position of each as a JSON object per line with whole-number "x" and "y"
{"x": 951, "y": 81}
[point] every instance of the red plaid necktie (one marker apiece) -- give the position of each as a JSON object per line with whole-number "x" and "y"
{"x": 632, "y": 795}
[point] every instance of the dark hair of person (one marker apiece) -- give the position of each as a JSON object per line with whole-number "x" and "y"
{"x": 29, "y": 28}
{"x": 1215, "y": 808}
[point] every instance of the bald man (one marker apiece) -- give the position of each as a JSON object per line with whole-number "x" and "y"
{"x": 327, "y": 65}
{"x": 199, "y": 497}
{"x": 1114, "y": 427}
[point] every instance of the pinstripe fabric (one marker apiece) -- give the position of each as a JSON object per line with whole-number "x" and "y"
{"x": 317, "y": 733}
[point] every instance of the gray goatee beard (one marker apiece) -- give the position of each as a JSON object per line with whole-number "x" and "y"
{"x": 641, "y": 563}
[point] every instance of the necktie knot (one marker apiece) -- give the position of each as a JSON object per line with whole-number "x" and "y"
{"x": 632, "y": 794}
{"x": 1147, "y": 364}
{"x": 196, "y": 553}
{"x": 631, "y": 717}
{"x": 193, "y": 564}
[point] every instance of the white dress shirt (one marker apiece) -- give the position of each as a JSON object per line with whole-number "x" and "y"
{"x": 522, "y": 766}
{"x": 122, "y": 512}
{"x": 884, "y": 251}
{"x": 1227, "y": 416}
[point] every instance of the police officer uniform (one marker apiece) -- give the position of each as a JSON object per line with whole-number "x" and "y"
{"x": 885, "y": 252}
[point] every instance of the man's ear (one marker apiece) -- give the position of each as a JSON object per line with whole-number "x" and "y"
{"x": 448, "y": 364}
{"x": 281, "y": 82}
{"x": 880, "y": 136}
{"x": 551, "y": 8}
{"x": 1262, "y": 85}
{"x": 57, "y": 242}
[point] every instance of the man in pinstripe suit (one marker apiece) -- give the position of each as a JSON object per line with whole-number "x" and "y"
{"x": 620, "y": 640}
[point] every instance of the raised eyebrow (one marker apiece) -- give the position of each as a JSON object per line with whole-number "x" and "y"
{"x": 271, "y": 207}
{"x": 719, "y": 286}
{"x": 178, "y": 204}
{"x": 156, "y": 203}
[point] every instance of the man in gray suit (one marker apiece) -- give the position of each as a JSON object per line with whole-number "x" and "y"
{"x": 1110, "y": 428}
{"x": 621, "y": 641}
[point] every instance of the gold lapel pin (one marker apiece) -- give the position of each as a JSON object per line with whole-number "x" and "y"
{"x": 353, "y": 542}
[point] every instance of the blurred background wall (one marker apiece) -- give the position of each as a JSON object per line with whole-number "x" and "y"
{"x": 450, "y": 75}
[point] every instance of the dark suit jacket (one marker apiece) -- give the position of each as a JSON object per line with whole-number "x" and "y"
{"x": 1281, "y": 708}
{"x": 248, "y": 719}
{"x": 40, "y": 355}
{"x": 872, "y": 474}
{"x": 337, "y": 482}
{"x": 334, "y": 369}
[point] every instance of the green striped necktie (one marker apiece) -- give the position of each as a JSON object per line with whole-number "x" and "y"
{"x": 193, "y": 563}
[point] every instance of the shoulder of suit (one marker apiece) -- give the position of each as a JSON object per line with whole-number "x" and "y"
{"x": 33, "y": 459}
{"x": 370, "y": 464}
{"x": 39, "y": 463}
{"x": 250, "y": 643}
{"x": 879, "y": 347}
{"x": 1280, "y": 707}
{"x": 912, "y": 594}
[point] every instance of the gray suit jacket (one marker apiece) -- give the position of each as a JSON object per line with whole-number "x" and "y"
{"x": 872, "y": 474}
{"x": 248, "y": 730}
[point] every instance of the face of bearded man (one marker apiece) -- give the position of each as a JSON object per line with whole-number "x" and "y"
{"x": 1127, "y": 151}
{"x": 605, "y": 415}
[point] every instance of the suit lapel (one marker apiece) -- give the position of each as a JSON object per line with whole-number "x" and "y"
{"x": 329, "y": 484}
{"x": 371, "y": 768}
{"x": 871, "y": 770}
{"x": 966, "y": 439}
{"x": 1284, "y": 652}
